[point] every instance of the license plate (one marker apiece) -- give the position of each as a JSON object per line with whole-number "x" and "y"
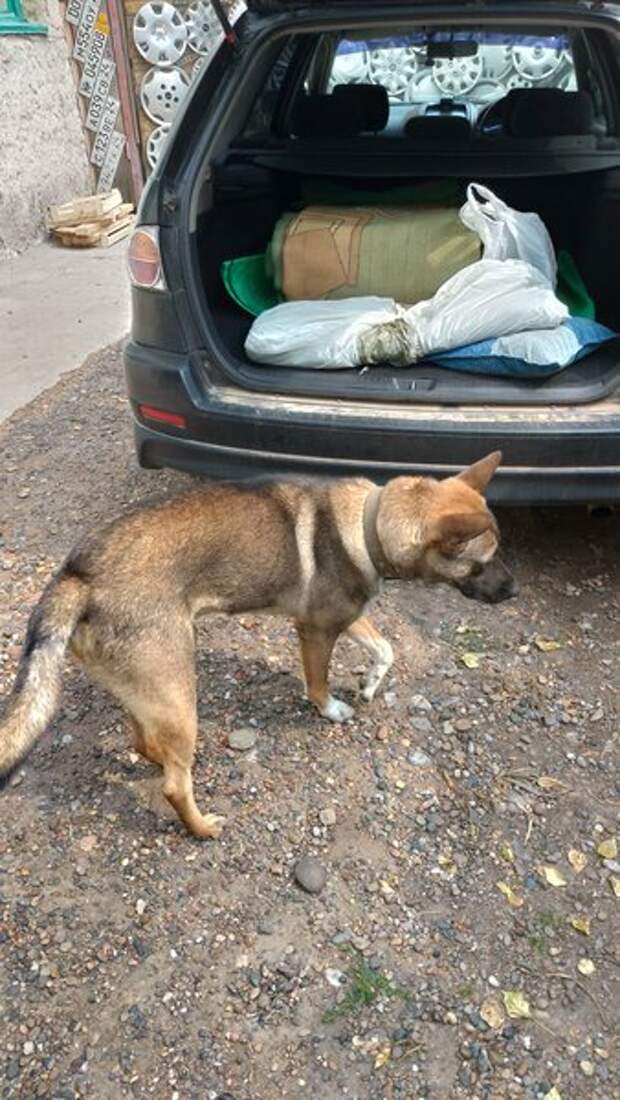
{"x": 88, "y": 18}
{"x": 96, "y": 49}
{"x": 105, "y": 131}
{"x": 110, "y": 164}
{"x": 73, "y": 11}
{"x": 99, "y": 97}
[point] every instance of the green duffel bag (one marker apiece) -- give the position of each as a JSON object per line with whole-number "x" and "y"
{"x": 405, "y": 253}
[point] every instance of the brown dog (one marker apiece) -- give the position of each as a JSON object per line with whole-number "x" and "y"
{"x": 124, "y": 603}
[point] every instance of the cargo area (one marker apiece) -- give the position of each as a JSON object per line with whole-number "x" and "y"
{"x": 582, "y": 214}
{"x": 558, "y": 157}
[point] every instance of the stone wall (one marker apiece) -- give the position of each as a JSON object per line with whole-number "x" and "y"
{"x": 43, "y": 152}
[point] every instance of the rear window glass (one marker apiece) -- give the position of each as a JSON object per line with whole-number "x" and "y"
{"x": 485, "y": 67}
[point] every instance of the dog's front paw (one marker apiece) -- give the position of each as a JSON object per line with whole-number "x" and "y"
{"x": 336, "y": 710}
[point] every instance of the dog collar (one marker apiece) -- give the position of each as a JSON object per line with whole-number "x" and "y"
{"x": 381, "y": 563}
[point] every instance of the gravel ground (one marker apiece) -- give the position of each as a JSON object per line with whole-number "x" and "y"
{"x": 138, "y": 962}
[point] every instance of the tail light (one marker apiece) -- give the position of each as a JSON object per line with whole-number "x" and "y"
{"x": 144, "y": 259}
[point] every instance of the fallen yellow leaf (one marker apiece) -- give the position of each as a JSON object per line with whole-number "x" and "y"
{"x": 512, "y": 898}
{"x": 577, "y": 860}
{"x": 553, "y": 1094}
{"x": 551, "y": 875}
{"x": 517, "y": 1006}
{"x": 491, "y": 1012}
{"x": 586, "y": 967}
{"x": 608, "y": 849}
{"x": 581, "y": 924}
{"x": 547, "y": 645}
{"x": 507, "y": 853}
{"x": 548, "y": 783}
{"x": 383, "y": 1056}
{"x": 471, "y": 660}
{"x": 615, "y": 885}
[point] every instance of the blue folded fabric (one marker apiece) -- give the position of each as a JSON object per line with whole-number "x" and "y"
{"x": 535, "y": 354}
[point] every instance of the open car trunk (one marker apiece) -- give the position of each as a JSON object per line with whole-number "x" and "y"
{"x": 582, "y": 214}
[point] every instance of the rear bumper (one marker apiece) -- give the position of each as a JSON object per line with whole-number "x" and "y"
{"x": 551, "y": 456}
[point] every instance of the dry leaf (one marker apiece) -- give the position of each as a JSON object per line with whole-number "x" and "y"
{"x": 471, "y": 660}
{"x": 547, "y": 645}
{"x": 491, "y": 1012}
{"x": 517, "y": 1005}
{"x": 577, "y": 860}
{"x": 553, "y": 1094}
{"x": 507, "y": 853}
{"x": 615, "y": 885}
{"x": 512, "y": 898}
{"x": 551, "y": 875}
{"x": 548, "y": 783}
{"x": 586, "y": 967}
{"x": 608, "y": 849}
{"x": 581, "y": 924}
{"x": 383, "y": 1056}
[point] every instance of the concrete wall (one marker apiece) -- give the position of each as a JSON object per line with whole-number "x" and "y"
{"x": 43, "y": 152}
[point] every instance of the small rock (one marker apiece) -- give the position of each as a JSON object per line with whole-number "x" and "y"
{"x": 420, "y": 702}
{"x": 421, "y": 725}
{"x": 382, "y": 733}
{"x": 242, "y": 739}
{"x": 16, "y": 779}
{"x": 419, "y": 759}
{"x": 587, "y": 1068}
{"x": 140, "y": 906}
{"x": 462, "y": 725}
{"x": 310, "y": 875}
{"x": 28, "y": 1048}
{"x": 266, "y": 926}
{"x": 328, "y": 816}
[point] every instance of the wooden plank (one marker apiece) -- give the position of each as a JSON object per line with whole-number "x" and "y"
{"x": 83, "y": 209}
{"x": 116, "y": 233}
{"x": 90, "y": 234}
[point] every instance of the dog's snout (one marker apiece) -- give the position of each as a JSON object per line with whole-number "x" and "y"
{"x": 494, "y": 584}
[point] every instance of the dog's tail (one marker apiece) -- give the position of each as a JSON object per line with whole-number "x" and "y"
{"x": 36, "y": 691}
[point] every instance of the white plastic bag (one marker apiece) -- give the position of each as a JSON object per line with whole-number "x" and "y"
{"x": 508, "y": 234}
{"x": 488, "y": 299}
{"x": 319, "y": 334}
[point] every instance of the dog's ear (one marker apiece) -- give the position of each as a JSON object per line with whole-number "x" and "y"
{"x": 452, "y": 530}
{"x": 479, "y": 475}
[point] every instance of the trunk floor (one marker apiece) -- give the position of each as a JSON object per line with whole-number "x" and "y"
{"x": 589, "y": 380}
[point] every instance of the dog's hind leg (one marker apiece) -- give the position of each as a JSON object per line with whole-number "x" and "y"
{"x": 367, "y": 635}
{"x": 317, "y": 646}
{"x": 154, "y": 679}
{"x": 169, "y": 730}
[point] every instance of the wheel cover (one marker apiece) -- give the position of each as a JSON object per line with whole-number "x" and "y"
{"x": 159, "y": 33}
{"x": 161, "y": 92}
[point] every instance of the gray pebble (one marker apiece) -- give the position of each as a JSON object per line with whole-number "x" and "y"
{"x": 310, "y": 875}
{"x": 419, "y": 759}
{"x": 242, "y": 739}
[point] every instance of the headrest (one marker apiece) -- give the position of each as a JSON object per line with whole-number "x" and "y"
{"x": 550, "y": 112}
{"x": 373, "y": 100}
{"x": 440, "y": 128}
{"x": 328, "y": 116}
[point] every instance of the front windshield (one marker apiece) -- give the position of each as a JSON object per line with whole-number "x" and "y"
{"x": 497, "y": 63}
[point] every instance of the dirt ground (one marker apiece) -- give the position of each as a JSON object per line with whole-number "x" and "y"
{"x": 459, "y": 820}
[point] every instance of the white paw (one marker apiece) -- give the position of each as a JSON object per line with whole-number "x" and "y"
{"x": 373, "y": 680}
{"x": 377, "y": 671}
{"x": 336, "y": 710}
